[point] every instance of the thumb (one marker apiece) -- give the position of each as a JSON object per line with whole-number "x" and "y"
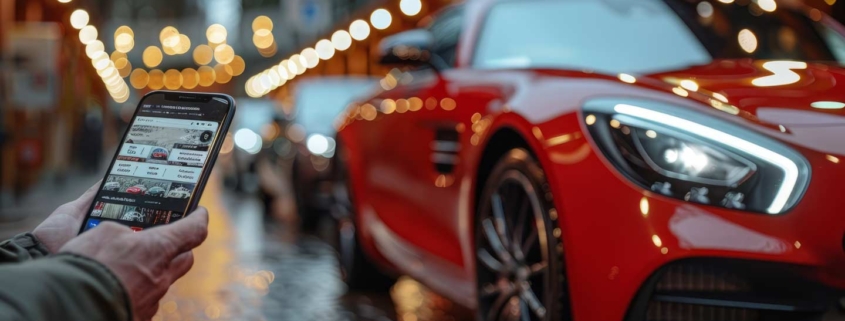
{"x": 182, "y": 235}
{"x": 81, "y": 204}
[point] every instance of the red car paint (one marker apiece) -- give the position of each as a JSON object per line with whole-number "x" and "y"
{"x": 413, "y": 219}
{"x": 135, "y": 190}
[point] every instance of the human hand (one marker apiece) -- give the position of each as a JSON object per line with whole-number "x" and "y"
{"x": 64, "y": 223}
{"x": 146, "y": 262}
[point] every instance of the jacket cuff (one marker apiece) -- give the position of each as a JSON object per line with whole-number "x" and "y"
{"x": 32, "y": 244}
{"x": 114, "y": 280}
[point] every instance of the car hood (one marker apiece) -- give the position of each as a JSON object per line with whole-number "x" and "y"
{"x": 776, "y": 93}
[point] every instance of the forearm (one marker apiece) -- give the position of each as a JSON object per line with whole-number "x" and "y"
{"x": 61, "y": 287}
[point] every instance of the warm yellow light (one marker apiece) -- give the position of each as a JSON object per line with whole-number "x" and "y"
{"x": 747, "y": 40}
{"x": 124, "y": 42}
{"x": 203, "y": 55}
{"x": 283, "y": 72}
{"x": 832, "y": 159}
{"x": 156, "y": 80}
{"x": 410, "y": 7}
{"x": 223, "y": 73}
{"x": 680, "y": 91}
{"x": 690, "y": 85}
{"x": 184, "y": 44}
{"x": 117, "y": 55}
{"x": 152, "y": 56}
{"x": 656, "y": 240}
{"x": 644, "y": 206}
{"x": 415, "y": 103}
{"x": 627, "y": 78}
{"x": 224, "y": 54}
{"x": 87, "y": 34}
{"x": 216, "y": 33}
{"x": 359, "y": 30}
{"x": 325, "y": 49}
{"x": 720, "y": 97}
{"x": 206, "y": 76}
{"x": 94, "y": 48}
{"x": 269, "y": 51}
{"x": 615, "y": 123}
{"x": 726, "y": 1}
{"x": 170, "y": 51}
{"x": 139, "y": 78}
{"x": 590, "y": 119}
{"x": 767, "y": 5}
{"x": 172, "y": 79}
{"x": 169, "y": 37}
{"x": 311, "y": 57}
{"x": 368, "y": 112}
{"x": 79, "y": 19}
{"x": 263, "y": 38}
{"x": 381, "y": 19}
{"x": 262, "y": 22}
{"x": 285, "y": 64}
{"x": 190, "y": 78}
{"x": 448, "y": 103}
{"x": 299, "y": 64}
{"x": 292, "y": 67}
{"x": 124, "y": 30}
{"x": 64, "y": 1}
{"x": 341, "y": 40}
{"x": 830, "y": 2}
{"x": 100, "y": 61}
{"x": 238, "y": 65}
{"x": 124, "y": 67}
{"x": 274, "y": 77}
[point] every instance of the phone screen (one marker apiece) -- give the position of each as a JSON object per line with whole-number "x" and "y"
{"x": 162, "y": 161}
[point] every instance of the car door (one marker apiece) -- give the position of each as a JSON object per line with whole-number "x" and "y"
{"x": 414, "y": 160}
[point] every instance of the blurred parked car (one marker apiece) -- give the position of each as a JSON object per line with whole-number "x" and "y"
{"x": 606, "y": 160}
{"x": 253, "y": 130}
{"x": 156, "y": 191}
{"x": 137, "y": 189}
{"x": 317, "y": 104}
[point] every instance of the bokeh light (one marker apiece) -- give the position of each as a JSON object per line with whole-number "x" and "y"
{"x": 410, "y": 7}
{"x": 311, "y": 57}
{"x": 747, "y": 40}
{"x": 172, "y": 79}
{"x": 156, "y": 80}
{"x": 169, "y": 37}
{"x": 124, "y": 30}
{"x": 223, "y": 73}
{"x": 87, "y": 34}
{"x": 206, "y": 74}
{"x": 184, "y": 44}
{"x": 94, "y": 48}
{"x": 341, "y": 40}
{"x": 224, "y": 54}
{"x": 79, "y": 19}
{"x": 381, "y": 19}
{"x": 262, "y": 22}
{"x": 139, "y": 78}
{"x": 216, "y": 33}
{"x": 124, "y": 42}
{"x": 203, "y": 55}
{"x": 238, "y": 65}
{"x": 152, "y": 57}
{"x": 263, "y": 38}
{"x": 190, "y": 78}
{"x": 359, "y": 30}
{"x": 325, "y": 49}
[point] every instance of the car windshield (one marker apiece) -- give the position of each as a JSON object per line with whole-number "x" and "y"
{"x": 644, "y": 36}
{"x": 320, "y": 101}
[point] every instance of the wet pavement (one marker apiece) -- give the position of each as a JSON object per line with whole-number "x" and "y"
{"x": 252, "y": 266}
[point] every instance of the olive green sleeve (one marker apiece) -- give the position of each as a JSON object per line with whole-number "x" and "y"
{"x": 63, "y": 287}
{"x": 22, "y": 247}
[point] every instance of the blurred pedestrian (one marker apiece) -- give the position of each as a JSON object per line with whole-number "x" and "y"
{"x": 109, "y": 273}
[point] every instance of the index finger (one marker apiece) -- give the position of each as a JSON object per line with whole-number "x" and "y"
{"x": 183, "y": 235}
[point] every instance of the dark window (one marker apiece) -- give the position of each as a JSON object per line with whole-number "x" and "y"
{"x": 446, "y": 29}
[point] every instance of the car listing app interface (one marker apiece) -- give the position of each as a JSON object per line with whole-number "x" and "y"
{"x": 158, "y": 167}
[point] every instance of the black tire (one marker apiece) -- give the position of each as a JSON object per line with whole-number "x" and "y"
{"x": 527, "y": 281}
{"x": 357, "y": 269}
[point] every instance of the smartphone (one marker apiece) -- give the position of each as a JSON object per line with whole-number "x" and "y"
{"x": 164, "y": 159}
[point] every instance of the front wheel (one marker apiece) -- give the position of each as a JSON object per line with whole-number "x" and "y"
{"x": 519, "y": 256}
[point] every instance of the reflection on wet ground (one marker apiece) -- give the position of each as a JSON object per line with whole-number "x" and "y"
{"x": 249, "y": 269}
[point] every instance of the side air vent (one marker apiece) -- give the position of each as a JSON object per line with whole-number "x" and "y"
{"x": 445, "y": 149}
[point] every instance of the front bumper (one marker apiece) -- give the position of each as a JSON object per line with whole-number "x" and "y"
{"x": 617, "y": 237}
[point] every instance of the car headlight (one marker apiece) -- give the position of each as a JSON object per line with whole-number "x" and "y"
{"x": 695, "y": 157}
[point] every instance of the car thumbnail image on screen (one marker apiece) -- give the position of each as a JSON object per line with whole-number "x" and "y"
{"x": 148, "y": 187}
{"x": 163, "y": 140}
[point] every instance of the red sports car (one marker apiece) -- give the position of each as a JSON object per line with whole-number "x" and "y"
{"x": 606, "y": 160}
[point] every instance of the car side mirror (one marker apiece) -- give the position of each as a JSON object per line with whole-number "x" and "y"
{"x": 410, "y": 48}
